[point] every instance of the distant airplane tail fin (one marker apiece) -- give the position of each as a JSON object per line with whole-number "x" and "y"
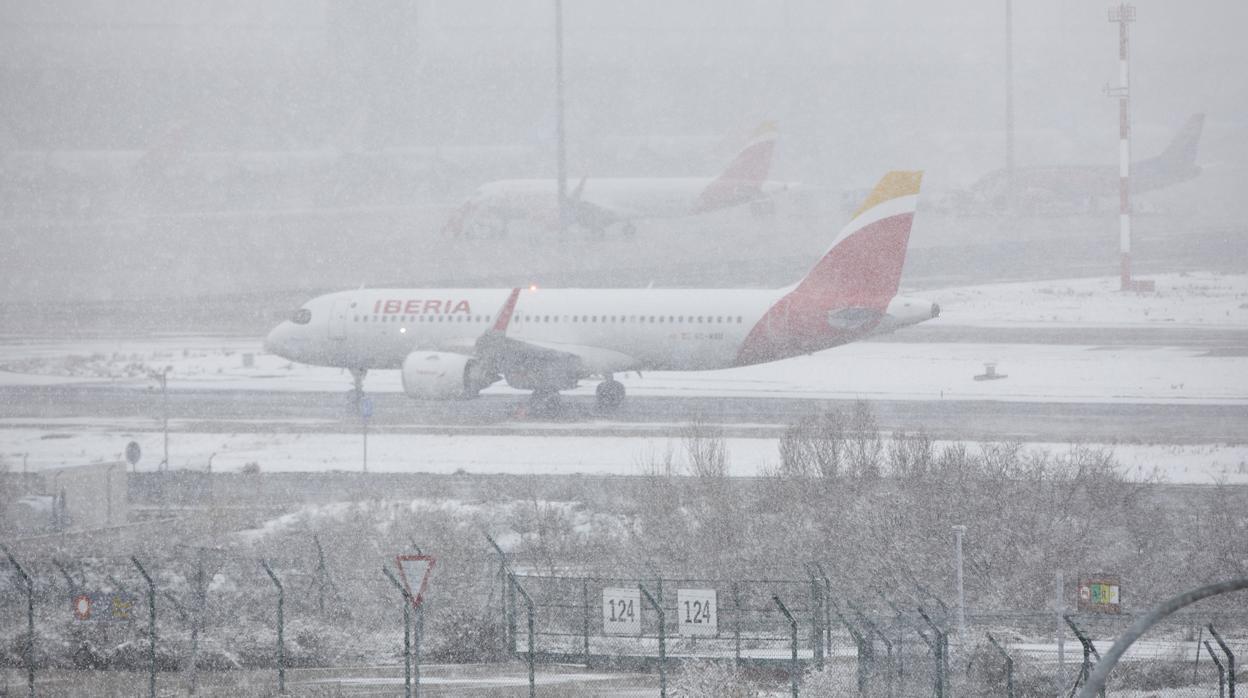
{"x": 458, "y": 219}
{"x": 1181, "y": 153}
{"x": 742, "y": 179}
{"x": 847, "y": 292}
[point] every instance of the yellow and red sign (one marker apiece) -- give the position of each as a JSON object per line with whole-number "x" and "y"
{"x": 1100, "y": 594}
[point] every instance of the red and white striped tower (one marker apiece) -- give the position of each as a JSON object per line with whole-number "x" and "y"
{"x": 1124, "y": 14}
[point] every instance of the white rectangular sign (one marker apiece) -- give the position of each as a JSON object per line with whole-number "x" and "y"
{"x": 698, "y": 611}
{"x": 621, "y": 611}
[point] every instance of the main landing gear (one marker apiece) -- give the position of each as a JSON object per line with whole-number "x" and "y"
{"x": 357, "y": 376}
{"x": 546, "y": 403}
{"x": 610, "y": 394}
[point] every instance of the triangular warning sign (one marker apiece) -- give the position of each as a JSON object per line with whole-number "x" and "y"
{"x": 414, "y": 571}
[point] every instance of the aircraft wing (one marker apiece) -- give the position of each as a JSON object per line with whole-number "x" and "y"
{"x": 503, "y": 354}
{"x": 592, "y": 360}
{"x": 592, "y": 215}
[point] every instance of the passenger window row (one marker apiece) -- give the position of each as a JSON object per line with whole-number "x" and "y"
{"x": 585, "y": 319}
{"x": 671, "y": 319}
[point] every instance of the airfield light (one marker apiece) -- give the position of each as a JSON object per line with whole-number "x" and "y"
{"x": 533, "y": 287}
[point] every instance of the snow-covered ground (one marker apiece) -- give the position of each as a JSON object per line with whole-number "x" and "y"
{"x": 1205, "y": 300}
{"x": 876, "y": 369}
{"x": 515, "y": 454}
{"x": 868, "y": 370}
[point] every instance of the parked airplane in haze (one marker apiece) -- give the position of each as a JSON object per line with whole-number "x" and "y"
{"x": 451, "y": 343}
{"x": 596, "y": 204}
{"x": 1082, "y": 185}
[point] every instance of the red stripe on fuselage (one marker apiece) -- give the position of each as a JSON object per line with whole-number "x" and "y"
{"x": 862, "y": 271}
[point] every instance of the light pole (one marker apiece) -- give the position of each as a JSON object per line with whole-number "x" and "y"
{"x": 163, "y": 378}
{"x": 1009, "y": 104}
{"x": 958, "y": 532}
{"x": 560, "y": 150}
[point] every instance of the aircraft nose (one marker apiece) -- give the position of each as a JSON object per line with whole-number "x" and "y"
{"x": 275, "y": 340}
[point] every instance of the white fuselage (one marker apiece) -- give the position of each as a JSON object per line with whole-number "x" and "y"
{"x": 627, "y": 198}
{"x": 611, "y": 330}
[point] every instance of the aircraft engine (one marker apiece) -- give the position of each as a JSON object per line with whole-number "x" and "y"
{"x": 436, "y": 375}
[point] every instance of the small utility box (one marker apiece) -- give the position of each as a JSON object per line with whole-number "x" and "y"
{"x": 990, "y": 373}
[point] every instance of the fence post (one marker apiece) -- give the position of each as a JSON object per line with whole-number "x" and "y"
{"x": 73, "y": 586}
{"x": 417, "y": 634}
{"x": 888, "y": 644}
{"x": 281, "y": 629}
{"x": 866, "y": 652}
{"x": 585, "y": 617}
{"x": 528, "y": 603}
{"x": 30, "y": 621}
{"x": 827, "y": 609}
{"x": 1089, "y": 651}
{"x": 658, "y": 607}
{"x": 816, "y": 616}
{"x": 1009, "y": 666}
{"x": 151, "y": 626}
{"x": 407, "y": 631}
{"x": 1221, "y": 671}
{"x": 1230, "y": 662}
{"x": 736, "y": 622}
{"x": 901, "y": 643}
{"x": 796, "y": 668}
{"x": 201, "y": 603}
{"x": 1200, "y": 635}
{"x": 509, "y": 592}
{"x": 938, "y": 648}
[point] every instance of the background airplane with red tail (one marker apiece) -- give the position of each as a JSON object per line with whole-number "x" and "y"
{"x": 599, "y": 203}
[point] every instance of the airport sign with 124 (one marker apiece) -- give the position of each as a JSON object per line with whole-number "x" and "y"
{"x": 621, "y": 611}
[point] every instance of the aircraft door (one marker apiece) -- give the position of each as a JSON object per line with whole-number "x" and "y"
{"x": 338, "y": 319}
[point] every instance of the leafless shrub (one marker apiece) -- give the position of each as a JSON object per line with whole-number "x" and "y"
{"x": 706, "y": 450}
{"x": 814, "y": 447}
{"x": 865, "y": 446}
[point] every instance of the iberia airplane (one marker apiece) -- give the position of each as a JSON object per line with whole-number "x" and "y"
{"x": 596, "y": 204}
{"x": 451, "y": 343}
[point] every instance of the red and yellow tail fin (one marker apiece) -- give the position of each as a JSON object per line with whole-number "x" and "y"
{"x": 742, "y": 179}
{"x": 863, "y": 266}
{"x": 848, "y": 290}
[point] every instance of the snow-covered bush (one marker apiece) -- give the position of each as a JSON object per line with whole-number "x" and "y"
{"x": 711, "y": 680}
{"x": 831, "y": 682}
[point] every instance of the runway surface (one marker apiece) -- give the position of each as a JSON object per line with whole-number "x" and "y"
{"x": 64, "y": 407}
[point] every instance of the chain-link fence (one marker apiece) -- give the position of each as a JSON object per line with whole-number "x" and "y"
{"x": 209, "y": 619}
{"x": 303, "y": 604}
{"x": 717, "y": 634}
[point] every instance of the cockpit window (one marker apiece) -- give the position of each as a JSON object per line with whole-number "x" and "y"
{"x": 301, "y": 316}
